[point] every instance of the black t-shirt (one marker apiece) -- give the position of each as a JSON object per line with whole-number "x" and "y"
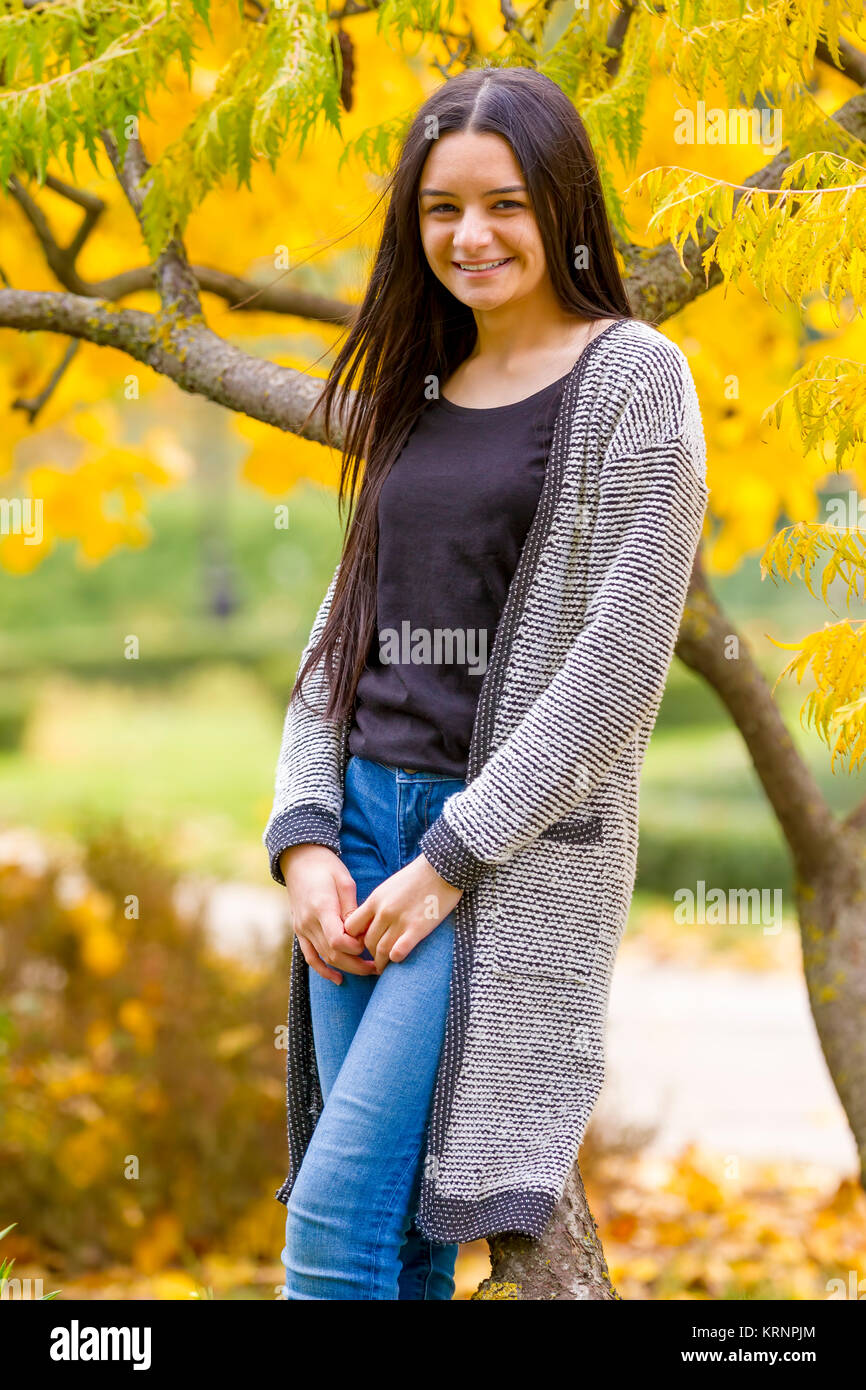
{"x": 454, "y": 513}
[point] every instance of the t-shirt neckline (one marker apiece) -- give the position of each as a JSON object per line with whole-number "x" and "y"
{"x": 456, "y": 409}
{"x": 484, "y": 410}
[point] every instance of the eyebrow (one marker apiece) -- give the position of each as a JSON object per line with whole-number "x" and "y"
{"x": 443, "y": 192}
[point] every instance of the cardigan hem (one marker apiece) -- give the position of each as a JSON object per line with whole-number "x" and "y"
{"x": 519, "y": 1211}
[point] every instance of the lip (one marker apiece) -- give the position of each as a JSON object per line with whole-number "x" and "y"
{"x": 480, "y": 274}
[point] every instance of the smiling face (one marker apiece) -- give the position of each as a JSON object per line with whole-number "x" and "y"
{"x": 477, "y": 225}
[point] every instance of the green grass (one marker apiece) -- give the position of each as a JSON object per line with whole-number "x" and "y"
{"x": 66, "y": 616}
{"x": 190, "y": 763}
{"x": 703, "y": 810}
{"x": 7, "y": 1277}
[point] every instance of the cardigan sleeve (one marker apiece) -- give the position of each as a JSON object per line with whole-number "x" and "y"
{"x": 651, "y": 505}
{"x": 307, "y": 792}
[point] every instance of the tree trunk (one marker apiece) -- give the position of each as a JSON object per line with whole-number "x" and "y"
{"x": 831, "y": 904}
{"x": 567, "y": 1263}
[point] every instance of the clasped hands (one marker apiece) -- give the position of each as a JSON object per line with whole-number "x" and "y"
{"x": 333, "y": 929}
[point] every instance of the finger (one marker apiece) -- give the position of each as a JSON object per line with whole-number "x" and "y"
{"x": 354, "y": 965}
{"x": 315, "y": 962}
{"x": 374, "y": 934}
{"x": 347, "y": 895}
{"x": 344, "y": 953}
{"x": 334, "y": 933}
{"x": 402, "y": 947}
{"x": 358, "y": 921}
{"x": 382, "y": 952}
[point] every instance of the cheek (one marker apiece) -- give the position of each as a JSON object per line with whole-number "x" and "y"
{"x": 528, "y": 241}
{"x": 435, "y": 242}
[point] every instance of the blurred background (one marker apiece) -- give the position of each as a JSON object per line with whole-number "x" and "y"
{"x": 143, "y": 946}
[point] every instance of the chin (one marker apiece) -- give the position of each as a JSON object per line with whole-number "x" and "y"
{"x": 492, "y": 296}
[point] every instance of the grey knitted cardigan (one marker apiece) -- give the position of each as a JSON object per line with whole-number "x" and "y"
{"x": 543, "y": 838}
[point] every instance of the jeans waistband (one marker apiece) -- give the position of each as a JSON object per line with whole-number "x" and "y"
{"x": 403, "y": 774}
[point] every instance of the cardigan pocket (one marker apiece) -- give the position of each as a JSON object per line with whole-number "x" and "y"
{"x": 547, "y": 926}
{"x": 575, "y": 829}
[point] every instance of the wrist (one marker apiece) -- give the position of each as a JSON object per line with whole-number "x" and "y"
{"x": 295, "y": 850}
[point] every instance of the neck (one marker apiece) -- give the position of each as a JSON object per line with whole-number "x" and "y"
{"x": 507, "y": 335}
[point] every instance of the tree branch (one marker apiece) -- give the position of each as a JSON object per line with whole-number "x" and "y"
{"x": 656, "y": 284}
{"x": 93, "y": 207}
{"x": 241, "y": 294}
{"x": 190, "y": 354}
{"x": 510, "y": 17}
{"x": 616, "y": 36}
{"x": 33, "y": 404}
{"x": 851, "y": 61}
{"x": 174, "y": 281}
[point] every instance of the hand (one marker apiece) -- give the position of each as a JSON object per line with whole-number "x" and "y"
{"x": 321, "y": 891}
{"x": 402, "y": 911}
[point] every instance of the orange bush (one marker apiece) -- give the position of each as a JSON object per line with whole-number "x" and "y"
{"x": 141, "y": 1076}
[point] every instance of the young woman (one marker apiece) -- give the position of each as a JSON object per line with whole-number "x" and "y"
{"x": 455, "y": 817}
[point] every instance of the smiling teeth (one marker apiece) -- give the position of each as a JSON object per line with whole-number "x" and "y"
{"x": 483, "y": 265}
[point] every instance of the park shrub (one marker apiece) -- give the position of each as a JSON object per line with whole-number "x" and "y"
{"x": 142, "y": 1083}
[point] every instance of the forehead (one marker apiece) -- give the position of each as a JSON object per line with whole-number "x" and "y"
{"x": 477, "y": 160}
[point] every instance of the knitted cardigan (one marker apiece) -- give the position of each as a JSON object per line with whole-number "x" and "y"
{"x": 543, "y": 837}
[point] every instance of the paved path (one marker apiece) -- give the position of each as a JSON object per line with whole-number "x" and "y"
{"x": 725, "y": 1058}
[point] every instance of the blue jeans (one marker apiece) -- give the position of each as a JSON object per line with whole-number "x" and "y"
{"x": 350, "y": 1218}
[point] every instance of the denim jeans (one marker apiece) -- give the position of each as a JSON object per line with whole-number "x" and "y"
{"x": 350, "y": 1227}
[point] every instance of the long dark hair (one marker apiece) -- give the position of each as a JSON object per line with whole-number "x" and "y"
{"x": 410, "y": 327}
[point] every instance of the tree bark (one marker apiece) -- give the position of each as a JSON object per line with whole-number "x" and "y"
{"x": 185, "y": 350}
{"x": 831, "y": 905}
{"x": 709, "y": 643}
{"x": 566, "y": 1264}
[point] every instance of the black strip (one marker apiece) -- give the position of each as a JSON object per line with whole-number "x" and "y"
{"x": 574, "y": 830}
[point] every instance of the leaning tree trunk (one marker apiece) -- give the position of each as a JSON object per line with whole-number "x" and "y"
{"x": 567, "y": 1263}
{"x": 831, "y": 903}
{"x": 829, "y": 857}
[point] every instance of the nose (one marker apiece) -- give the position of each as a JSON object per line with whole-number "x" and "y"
{"x": 471, "y": 235}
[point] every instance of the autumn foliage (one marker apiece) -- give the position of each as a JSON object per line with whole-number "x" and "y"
{"x": 142, "y": 1082}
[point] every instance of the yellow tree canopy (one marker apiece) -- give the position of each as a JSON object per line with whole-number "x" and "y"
{"x": 185, "y": 180}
